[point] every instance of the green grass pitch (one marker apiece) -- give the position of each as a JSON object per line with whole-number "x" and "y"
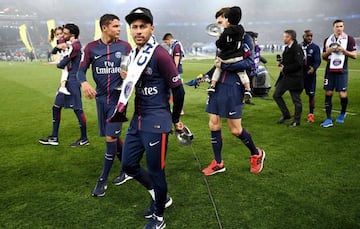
{"x": 311, "y": 176}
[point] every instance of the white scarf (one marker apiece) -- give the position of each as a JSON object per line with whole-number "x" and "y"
{"x": 136, "y": 67}
{"x": 337, "y": 59}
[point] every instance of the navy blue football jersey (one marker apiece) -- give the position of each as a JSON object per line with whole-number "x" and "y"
{"x": 105, "y": 63}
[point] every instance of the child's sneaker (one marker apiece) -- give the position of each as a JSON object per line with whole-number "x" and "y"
{"x": 211, "y": 90}
{"x": 247, "y": 94}
{"x": 247, "y": 97}
{"x": 64, "y": 90}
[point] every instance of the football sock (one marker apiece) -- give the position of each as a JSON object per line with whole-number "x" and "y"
{"x": 108, "y": 159}
{"x": 328, "y": 106}
{"x": 343, "y": 102}
{"x": 216, "y": 141}
{"x": 311, "y": 104}
{"x": 82, "y": 122}
{"x": 245, "y": 137}
{"x": 56, "y": 120}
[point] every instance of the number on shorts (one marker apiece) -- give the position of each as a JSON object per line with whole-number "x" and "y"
{"x": 326, "y": 82}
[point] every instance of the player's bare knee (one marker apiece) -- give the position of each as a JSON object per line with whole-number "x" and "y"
{"x": 329, "y": 93}
{"x": 236, "y": 131}
{"x": 110, "y": 139}
{"x": 214, "y": 126}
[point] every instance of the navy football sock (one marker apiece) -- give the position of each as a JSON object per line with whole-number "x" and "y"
{"x": 311, "y": 104}
{"x": 82, "y": 122}
{"x": 108, "y": 159}
{"x": 56, "y": 120}
{"x": 216, "y": 141}
{"x": 245, "y": 137}
{"x": 344, "y": 103}
{"x": 328, "y": 106}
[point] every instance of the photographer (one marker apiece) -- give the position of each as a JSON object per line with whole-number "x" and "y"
{"x": 290, "y": 78}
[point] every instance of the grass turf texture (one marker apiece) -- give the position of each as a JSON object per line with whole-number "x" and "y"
{"x": 310, "y": 179}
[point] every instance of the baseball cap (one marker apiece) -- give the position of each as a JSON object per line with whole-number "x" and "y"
{"x": 139, "y": 13}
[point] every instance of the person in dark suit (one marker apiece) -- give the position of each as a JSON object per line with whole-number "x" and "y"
{"x": 290, "y": 78}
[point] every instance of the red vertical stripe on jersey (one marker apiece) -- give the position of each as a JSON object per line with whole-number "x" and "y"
{"x": 224, "y": 76}
{"x": 163, "y": 150}
{"x": 108, "y": 76}
{"x": 139, "y": 122}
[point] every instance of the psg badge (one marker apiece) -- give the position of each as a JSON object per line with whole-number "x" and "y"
{"x": 336, "y": 62}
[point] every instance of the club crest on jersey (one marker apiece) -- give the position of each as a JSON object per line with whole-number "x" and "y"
{"x": 118, "y": 55}
{"x": 336, "y": 62}
{"x": 148, "y": 71}
{"x": 176, "y": 78}
{"x": 127, "y": 90}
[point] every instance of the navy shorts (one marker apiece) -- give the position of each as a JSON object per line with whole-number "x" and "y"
{"x": 337, "y": 81}
{"x": 73, "y": 100}
{"x": 226, "y": 101}
{"x": 104, "y": 112}
{"x": 310, "y": 84}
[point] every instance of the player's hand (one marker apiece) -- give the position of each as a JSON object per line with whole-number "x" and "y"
{"x": 179, "y": 126}
{"x": 123, "y": 74}
{"x": 340, "y": 49}
{"x": 88, "y": 90}
{"x": 281, "y": 67}
{"x": 62, "y": 46}
{"x": 311, "y": 70}
{"x": 331, "y": 49}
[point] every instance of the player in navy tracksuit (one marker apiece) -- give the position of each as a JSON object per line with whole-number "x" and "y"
{"x": 311, "y": 64}
{"x": 152, "y": 120}
{"x": 73, "y": 101}
{"x": 104, "y": 56}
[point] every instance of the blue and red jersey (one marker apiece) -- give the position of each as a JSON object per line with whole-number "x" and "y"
{"x": 176, "y": 50}
{"x": 313, "y": 57}
{"x": 152, "y": 92}
{"x": 105, "y": 60}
